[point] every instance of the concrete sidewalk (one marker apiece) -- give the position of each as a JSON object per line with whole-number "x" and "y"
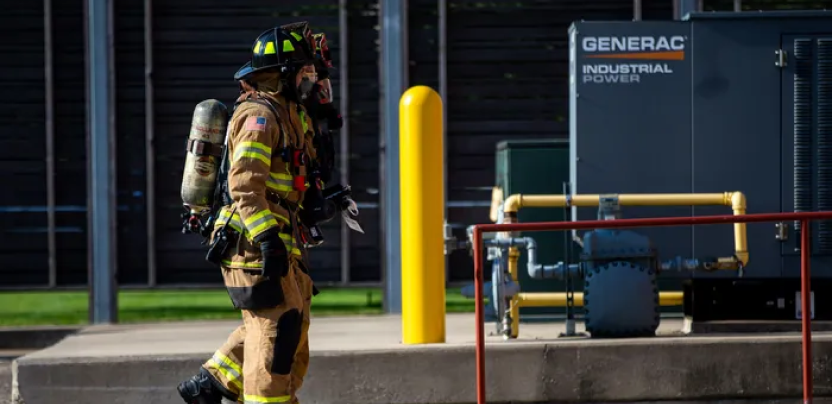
{"x": 361, "y": 360}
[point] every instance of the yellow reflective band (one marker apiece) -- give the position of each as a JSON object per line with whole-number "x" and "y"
{"x": 234, "y": 223}
{"x": 280, "y": 182}
{"x": 237, "y": 224}
{"x": 250, "y": 399}
{"x": 269, "y": 48}
{"x": 253, "y": 265}
{"x": 281, "y": 176}
{"x": 303, "y": 120}
{"x": 260, "y": 222}
{"x": 227, "y": 361}
{"x": 230, "y": 370}
{"x": 257, "y": 145}
{"x": 290, "y": 243}
{"x": 287, "y": 46}
{"x": 277, "y": 188}
{"x": 257, "y": 47}
{"x": 227, "y": 374}
{"x": 297, "y": 36}
{"x": 253, "y": 150}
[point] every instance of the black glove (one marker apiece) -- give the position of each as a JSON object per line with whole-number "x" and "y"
{"x": 316, "y": 209}
{"x": 275, "y": 257}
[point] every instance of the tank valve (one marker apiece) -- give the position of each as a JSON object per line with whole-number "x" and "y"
{"x": 196, "y": 222}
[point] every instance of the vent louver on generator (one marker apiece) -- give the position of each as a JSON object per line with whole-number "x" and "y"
{"x": 803, "y": 78}
{"x": 824, "y": 141}
{"x": 813, "y": 133}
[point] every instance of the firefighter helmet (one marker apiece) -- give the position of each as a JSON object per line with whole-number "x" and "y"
{"x": 286, "y": 48}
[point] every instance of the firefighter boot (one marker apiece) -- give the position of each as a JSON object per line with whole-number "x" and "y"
{"x": 200, "y": 389}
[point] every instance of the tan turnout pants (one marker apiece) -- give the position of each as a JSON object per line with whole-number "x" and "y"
{"x": 269, "y": 374}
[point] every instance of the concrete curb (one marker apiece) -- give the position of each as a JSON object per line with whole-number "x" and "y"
{"x": 530, "y": 372}
{"x": 34, "y": 337}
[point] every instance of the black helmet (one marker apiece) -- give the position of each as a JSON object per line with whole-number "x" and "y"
{"x": 286, "y": 47}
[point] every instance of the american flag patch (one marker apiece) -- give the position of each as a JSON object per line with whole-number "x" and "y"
{"x": 256, "y": 123}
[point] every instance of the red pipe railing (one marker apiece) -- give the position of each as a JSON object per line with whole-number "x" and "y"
{"x": 803, "y": 217}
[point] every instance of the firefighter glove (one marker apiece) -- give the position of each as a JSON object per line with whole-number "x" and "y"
{"x": 316, "y": 209}
{"x": 275, "y": 257}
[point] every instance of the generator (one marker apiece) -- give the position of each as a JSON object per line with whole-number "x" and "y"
{"x": 716, "y": 101}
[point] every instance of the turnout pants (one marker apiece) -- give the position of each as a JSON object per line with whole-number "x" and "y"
{"x": 265, "y": 359}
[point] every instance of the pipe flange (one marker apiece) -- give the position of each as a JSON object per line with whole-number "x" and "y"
{"x": 630, "y": 304}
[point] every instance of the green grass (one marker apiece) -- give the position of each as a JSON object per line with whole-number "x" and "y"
{"x": 64, "y": 308}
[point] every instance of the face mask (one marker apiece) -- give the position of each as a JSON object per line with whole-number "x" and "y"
{"x": 326, "y": 91}
{"x": 305, "y": 88}
{"x": 307, "y": 83}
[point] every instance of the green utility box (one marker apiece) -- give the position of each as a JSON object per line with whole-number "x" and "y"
{"x": 537, "y": 167}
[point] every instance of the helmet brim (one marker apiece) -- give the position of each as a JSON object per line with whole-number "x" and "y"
{"x": 243, "y": 71}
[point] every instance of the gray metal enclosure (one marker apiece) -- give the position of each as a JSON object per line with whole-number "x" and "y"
{"x": 704, "y": 105}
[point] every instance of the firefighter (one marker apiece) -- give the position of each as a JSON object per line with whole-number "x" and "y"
{"x": 269, "y": 150}
{"x": 318, "y": 103}
{"x": 322, "y": 109}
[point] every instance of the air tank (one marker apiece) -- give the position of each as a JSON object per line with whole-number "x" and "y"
{"x": 204, "y": 152}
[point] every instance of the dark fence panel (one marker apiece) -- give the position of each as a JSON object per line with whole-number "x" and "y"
{"x": 70, "y": 141}
{"x": 365, "y": 263}
{"x": 130, "y": 142}
{"x": 23, "y": 241}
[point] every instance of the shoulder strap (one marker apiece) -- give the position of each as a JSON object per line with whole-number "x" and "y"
{"x": 222, "y": 196}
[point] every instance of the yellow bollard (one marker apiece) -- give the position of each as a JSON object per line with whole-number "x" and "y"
{"x": 422, "y": 216}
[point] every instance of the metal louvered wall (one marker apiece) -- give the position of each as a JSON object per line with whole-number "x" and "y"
{"x": 812, "y": 158}
{"x": 506, "y": 78}
{"x": 24, "y": 245}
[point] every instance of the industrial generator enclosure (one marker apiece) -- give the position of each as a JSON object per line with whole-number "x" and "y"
{"x": 717, "y": 102}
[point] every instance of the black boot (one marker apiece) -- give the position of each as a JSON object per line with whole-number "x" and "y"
{"x": 200, "y": 389}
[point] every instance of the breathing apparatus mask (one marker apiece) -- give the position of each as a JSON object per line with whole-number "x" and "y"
{"x": 307, "y": 83}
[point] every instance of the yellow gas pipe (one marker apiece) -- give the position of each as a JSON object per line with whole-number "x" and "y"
{"x": 558, "y": 299}
{"x": 736, "y": 200}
